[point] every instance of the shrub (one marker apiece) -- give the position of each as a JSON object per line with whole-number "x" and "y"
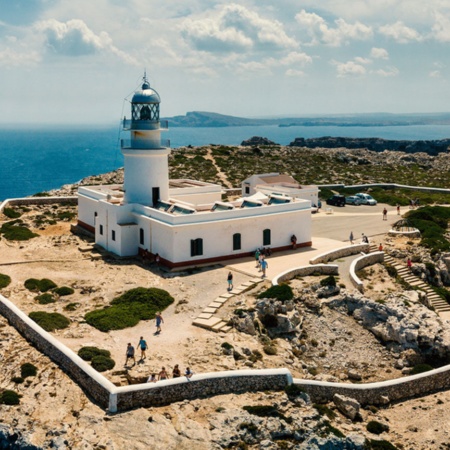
{"x": 9, "y": 398}
{"x": 280, "y": 292}
{"x": 15, "y": 231}
{"x": 391, "y": 270}
{"x": 227, "y": 346}
{"x": 63, "y": 290}
{"x": 129, "y": 308}
{"x": 11, "y": 213}
{"x": 102, "y": 363}
{"x": 421, "y": 368}
{"x": 443, "y": 292}
{"x": 71, "y": 306}
{"x": 293, "y": 390}
{"x": 5, "y": 281}
{"x": 270, "y": 350}
{"x": 45, "y": 299}
{"x": 375, "y": 427}
{"x": 17, "y": 380}
{"x": 28, "y": 370}
{"x": 87, "y": 353}
{"x": 374, "y": 444}
{"x": 50, "y": 321}
{"x": 328, "y": 281}
{"x": 35, "y": 285}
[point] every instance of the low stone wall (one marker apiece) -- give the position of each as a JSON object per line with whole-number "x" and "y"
{"x": 199, "y": 386}
{"x": 304, "y": 271}
{"x": 340, "y": 253}
{"x": 360, "y": 263}
{"x": 93, "y": 383}
{"x": 38, "y": 201}
{"x": 383, "y": 392}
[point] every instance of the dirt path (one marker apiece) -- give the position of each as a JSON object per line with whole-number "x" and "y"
{"x": 220, "y": 174}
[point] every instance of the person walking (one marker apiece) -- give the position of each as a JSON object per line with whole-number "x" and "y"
{"x": 142, "y": 344}
{"x": 159, "y": 321}
{"x": 409, "y": 264}
{"x": 230, "y": 281}
{"x": 351, "y": 237}
{"x": 398, "y": 209}
{"x": 257, "y": 253}
{"x": 384, "y": 214}
{"x": 264, "y": 267}
{"x": 130, "y": 354}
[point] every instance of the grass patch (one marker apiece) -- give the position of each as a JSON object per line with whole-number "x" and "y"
{"x": 129, "y": 308}
{"x": 376, "y": 427}
{"x": 63, "y": 291}
{"x": 11, "y": 213}
{"x": 16, "y": 231}
{"x": 5, "y": 281}
{"x": 71, "y": 307}
{"x": 8, "y": 397}
{"x": 45, "y": 299}
{"x": 50, "y": 321}
{"x": 102, "y": 363}
{"x": 35, "y": 285}
{"x": 87, "y": 353}
{"x": 421, "y": 368}
{"x": 28, "y": 370}
{"x": 280, "y": 292}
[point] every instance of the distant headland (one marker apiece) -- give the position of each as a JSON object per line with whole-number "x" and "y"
{"x": 210, "y": 119}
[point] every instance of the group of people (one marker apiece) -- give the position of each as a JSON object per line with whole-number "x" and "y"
{"x": 164, "y": 375}
{"x": 261, "y": 263}
{"x": 364, "y": 238}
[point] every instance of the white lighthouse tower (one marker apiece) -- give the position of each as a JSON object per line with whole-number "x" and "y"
{"x": 146, "y": 166}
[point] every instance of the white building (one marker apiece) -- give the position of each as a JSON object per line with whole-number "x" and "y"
{"x": 184, "y": 221}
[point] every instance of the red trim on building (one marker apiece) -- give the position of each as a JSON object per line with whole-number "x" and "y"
{"x": 87, "y": 227}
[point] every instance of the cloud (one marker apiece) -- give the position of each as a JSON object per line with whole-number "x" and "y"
{"x": 341, "y": 34}
{"x": 390, "y": 72}
{"x": 379, "y": 53}
{"x": 361, "y": 60}
{"x": 296, "y": 58}
{"x": 400, "y": 33}
{"x": 441, "y": 28}
{"x": 294, "y": 73}
{"x": 435, "y": 74}
{"x": 235, "y": 28}
{"x": 74, "y": 38}
{"x": 11, "y": 58}
{"x": 349, "y": 68}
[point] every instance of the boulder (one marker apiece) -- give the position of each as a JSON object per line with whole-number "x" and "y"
{"x": 347, "y": 405}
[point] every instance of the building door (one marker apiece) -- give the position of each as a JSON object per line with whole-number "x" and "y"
{"x": 155, "y": 195}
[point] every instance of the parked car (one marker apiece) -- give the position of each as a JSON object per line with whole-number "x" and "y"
{"x": 366, "y": 199}
{"x": 352, "y": 200}
{"x": 336, "y": 200}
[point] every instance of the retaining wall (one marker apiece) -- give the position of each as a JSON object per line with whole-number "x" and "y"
{"x": 360, "y": 263}
{"x": 323, "y": 269}
{"x": 340, "y": 253}
{"x": 38, "y": 201}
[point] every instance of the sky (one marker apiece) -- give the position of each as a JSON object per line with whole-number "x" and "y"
{"x": 79, "y": 61}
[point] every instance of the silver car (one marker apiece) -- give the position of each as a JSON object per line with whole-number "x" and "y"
{"x": 352, "y": 200}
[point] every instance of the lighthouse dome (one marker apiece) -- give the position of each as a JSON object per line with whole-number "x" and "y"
{"x": 146, "y": 94}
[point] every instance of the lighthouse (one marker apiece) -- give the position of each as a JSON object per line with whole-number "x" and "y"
{"x": 146, "y": 166}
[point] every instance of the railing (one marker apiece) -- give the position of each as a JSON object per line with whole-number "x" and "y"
{"x": 144, "y": 144}
{"x": 128, "y": 124}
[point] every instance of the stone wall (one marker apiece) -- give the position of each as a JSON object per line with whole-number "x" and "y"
{"x": 323, "y": 269}
{"x": 38, "y": 201}
{"x": 360, "y": 263}
{"x": 340, "y": 253}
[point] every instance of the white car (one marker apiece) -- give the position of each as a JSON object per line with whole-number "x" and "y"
{"x": 366, "y": 199}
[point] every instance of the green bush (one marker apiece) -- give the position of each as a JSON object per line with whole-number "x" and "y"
{"x": 374, "y": 444}
{"x": 227, "y": 346}
{"x": 87, "y": 353}
{"x": 129, "y": 308}
{"x": 71, "y": 306}
{"x": 9, "y": 398}
{"x": 17, "y": 380}
{"x": 5, "y": 281}
{"x": 11, "y": 213}
{"x": 28, "y": 370}
{"x": 16, "y": 231}
{"x": 45, "y": 299}
{"x": 293, "y": 390}
{"x": 102, "y": 363}
{"x": 280, "y": 292}
{"x": 63, "y": 290}
{"x": 328, "y": 281}
{"x": 391, "y": 270}
{"x": 421, "y": 368}
{"x": 270, "y": 350}
{"x": 375, "y": 427}
{"x": 50, "y": 321}
{"x": 35, "y": 285}
{"x": 443, "y": 292}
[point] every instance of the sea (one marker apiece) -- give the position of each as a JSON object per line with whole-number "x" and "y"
{"x": 37, "y": 159}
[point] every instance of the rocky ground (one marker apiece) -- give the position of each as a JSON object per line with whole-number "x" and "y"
{"x": 326, "y": 343}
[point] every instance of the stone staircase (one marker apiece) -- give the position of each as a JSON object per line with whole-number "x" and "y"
{"x": 208, "y": 318}
{"x": 439, "y": 304}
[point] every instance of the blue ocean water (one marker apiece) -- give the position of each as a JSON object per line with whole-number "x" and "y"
{"x": 40, "y": 159}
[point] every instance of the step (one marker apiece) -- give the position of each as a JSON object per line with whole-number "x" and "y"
{"x": 218, "y": 327}
{"x": 220, "y": 300}
{"x": 205, "y": 316}
{"x": 226, "y": 329}
{"x": 256, "y": 280}
{"x": 227, "y": 296}
{"x": 237, "y": 291}
{"x": 216, "y": 305}
{"x": 207, "y": 323}
{"x": 209, "y": 310}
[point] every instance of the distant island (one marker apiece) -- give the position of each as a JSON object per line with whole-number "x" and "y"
{"x": 210, "y": 119}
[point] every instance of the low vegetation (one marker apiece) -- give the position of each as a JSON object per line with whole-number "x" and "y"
{"x": 63, "y": 291}
{"x": 28, "y": 370}
{"x": 280, "y": 292}
{"x": 129, "y": 308}
{"x": 5, "y": 281}
{"x": 16, "y": 231}
{"x": 100, "y": 359}
{"x": 45, "y": 299}
{"x": 50, "y": 321}
{"x": 8, "y": 397}
{"x": 44, "y": 285}
{"x": 376, "y": 427}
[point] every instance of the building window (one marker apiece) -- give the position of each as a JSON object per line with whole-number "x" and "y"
{"x": 141, "y": 236}
{"x": 237, "y": 241}
{"x": 101, "y": 230}
{"x": 113, "y": 235}
{"x": 266, "y": 237}
{"x": 247, "y": 189}
{"x": 196, "y": 247}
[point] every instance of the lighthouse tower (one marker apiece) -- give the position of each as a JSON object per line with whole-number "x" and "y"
{"x": 146, "y": 166}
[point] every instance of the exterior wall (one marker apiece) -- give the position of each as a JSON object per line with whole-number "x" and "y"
{"x": 128, "y": 239}
{"x": 308, "y": 193}
{"x": 360, "y": 263}
{"x": 200, "y": 198}
{"x": 87, "y": 207}
{"x": 38, "y": 201}
{"x": 324, "y": 269}
{"x": 340, "y": 253}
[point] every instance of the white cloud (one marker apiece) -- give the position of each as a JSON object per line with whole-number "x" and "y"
{"x": 341, "y": 34}
{"x": 361, "y": 60}
{"x": 389, "y": 72}
{"x": 400, "y": 33}
{"x": 379, "y": 53}
{"x": 296, "y": 58}
{"x": 441, "y": 28}
{"x": 74, "y": 38}
{"x": 294, "y": 73}
{"x": 349, "y": 68}
{"x": 11, "y": 58}
{"x": 236, "y": 28}
{"x": 435, "y": 74}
